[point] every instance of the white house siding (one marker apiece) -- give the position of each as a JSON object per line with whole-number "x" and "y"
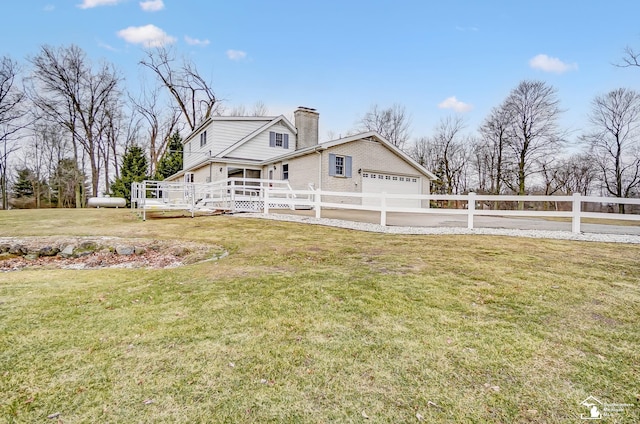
{"x": 258, "y": 147}
{"x": 209, "y": 172}
{"x": 220, "y": 136}
{"x": 188, "y": 157}
{"x": 227, "y": 133}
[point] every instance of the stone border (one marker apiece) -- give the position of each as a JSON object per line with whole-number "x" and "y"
{"x": 101, "y": 252}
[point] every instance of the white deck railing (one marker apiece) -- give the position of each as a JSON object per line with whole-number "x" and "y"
{"x": 232, "y": 194}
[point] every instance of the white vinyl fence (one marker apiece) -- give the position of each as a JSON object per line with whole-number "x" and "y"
{"x": 257, "y": 195}
{"x": 472, "y": 205}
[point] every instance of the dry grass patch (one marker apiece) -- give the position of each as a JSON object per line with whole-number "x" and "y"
{"x": 312, "y": 324}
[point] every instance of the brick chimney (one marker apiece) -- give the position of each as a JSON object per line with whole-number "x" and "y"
{"x": 306, "y": 121}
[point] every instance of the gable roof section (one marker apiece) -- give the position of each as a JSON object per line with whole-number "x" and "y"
{"x": 356, "y": 137}
{"x": 206, "y": 122}
{"x": 274, "y": 121}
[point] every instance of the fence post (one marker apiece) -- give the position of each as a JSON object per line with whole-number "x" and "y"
{"x": 383, "y": 209}
{"x": 266, "y": 200}
{"x": 317, "y": 203}
{"x": 232, "y": 190}
{"x": 193, "y": 200}
{"x": 144, "y": 195}
{"x": 576, "y": 211}
{"x": 471, "y": 208}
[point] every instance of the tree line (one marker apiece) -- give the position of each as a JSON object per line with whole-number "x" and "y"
{"x": 80, "y": 133}
{"x": 520, "y": 147}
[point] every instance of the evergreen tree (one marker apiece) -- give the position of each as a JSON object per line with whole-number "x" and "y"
{"x": 134, "y": 169}
{"x": 23, "y": 187}
{"x": 171, "y": 161}
{"x": 28, "y": 191}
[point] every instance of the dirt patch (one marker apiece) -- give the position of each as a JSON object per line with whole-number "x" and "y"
{"x": 101, "y": 252}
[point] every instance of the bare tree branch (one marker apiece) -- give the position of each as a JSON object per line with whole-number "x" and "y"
{"x": 534, "y": 110}
{"x": 392, "y": 123}
{"x": 193, "y": 95}
{"x": 615, "y": 140}
{"x": 161, "y": 124}
{"x": 12, "y": 119}
{"x": 71, "y": 93}
{"x": 630, "y": 58}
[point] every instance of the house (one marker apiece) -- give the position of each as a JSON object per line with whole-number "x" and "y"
{"x": 275, "y": 149}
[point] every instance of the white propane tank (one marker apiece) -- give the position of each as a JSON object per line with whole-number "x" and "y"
{"x": 106, "y": 202}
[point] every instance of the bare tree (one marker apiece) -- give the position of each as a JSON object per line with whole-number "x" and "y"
{"x": 549, "y": 170}
{"x": 615, "y": 140}
{"x": 35, "y": 161}
{"x": 533, "y": 132}
{"x": 577, "y": 174}
{"x": 162, "y": 122}
{"x": 48, "y": 147}
{"x": 446, "y": 154}
{"x": 423, "y": 152}
{"x": 630, "y": 58}
{"x": 392, "y": 123}
{"x": 69, "y": 92}
{"x": 193, "y": 95}
{"x": 12, "y": 119}
{"x": 260, "y": 109}
{"x": 240, "y": 110}
{"x": 452, "y": 151}
{"x": 490, "y": 154}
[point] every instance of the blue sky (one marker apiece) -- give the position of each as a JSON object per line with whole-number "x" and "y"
{"x": 340, "y": 57}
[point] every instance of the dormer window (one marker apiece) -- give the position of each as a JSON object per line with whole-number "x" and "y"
{"x": 278, "y": 140}
{"x": 203, "y": 139}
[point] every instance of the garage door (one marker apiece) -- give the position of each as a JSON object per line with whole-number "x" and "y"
{"x": 373, "y": 182}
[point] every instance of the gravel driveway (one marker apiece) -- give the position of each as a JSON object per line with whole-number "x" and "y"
{"x": 404, "y": 223}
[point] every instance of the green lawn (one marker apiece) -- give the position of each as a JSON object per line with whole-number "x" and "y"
{"x": 306, "y": 323}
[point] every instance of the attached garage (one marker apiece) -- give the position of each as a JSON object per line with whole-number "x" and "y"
{"x": 374, "y": 182}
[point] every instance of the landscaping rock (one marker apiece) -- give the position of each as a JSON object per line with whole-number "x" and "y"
{"x": 124, "y": 250}
{"x": 18, "y": 249}
{"x": 88, "y": 245}
{"x": 98, "y": 252}
{"x": 48, "y": 251}
{"x": 67, "y": 252}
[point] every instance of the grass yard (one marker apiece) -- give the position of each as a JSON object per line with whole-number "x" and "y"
{"x": 312, "y": 324}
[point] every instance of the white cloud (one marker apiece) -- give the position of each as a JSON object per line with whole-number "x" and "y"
{"x": 88, "y": 4}
{"x": 551, "y": 64}
{"x": 49, "y": 8}
{"x": 152, "y": 5}
{"x": 195, "y": 41}
{"x": 236, "y": 54}
{"x": 455, "y": 104}
{"x": 147, "y": 35}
